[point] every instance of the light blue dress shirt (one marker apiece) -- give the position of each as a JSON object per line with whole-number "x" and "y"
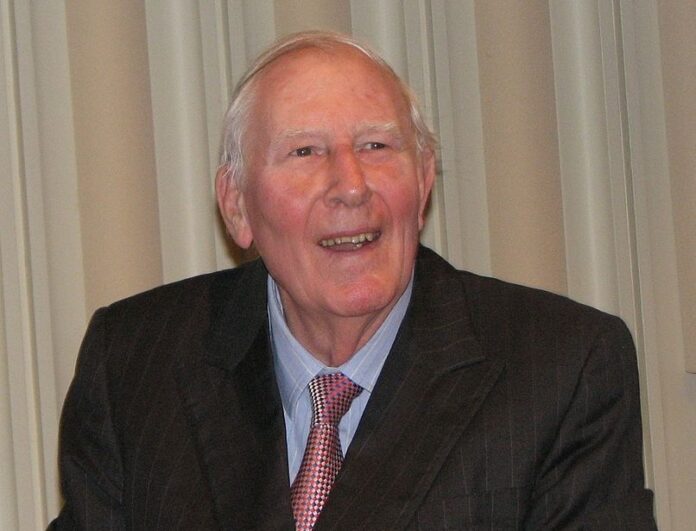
{"x": 295, "y": 367}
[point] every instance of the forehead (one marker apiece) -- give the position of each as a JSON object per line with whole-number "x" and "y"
{"x": 311, "y": 84}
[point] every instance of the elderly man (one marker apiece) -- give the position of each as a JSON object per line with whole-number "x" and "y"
{"x": 348, "y": 379}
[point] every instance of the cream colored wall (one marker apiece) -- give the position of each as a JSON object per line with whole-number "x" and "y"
{"x": 132, "y": 111}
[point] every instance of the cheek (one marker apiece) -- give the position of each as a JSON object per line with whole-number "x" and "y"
{"x": 277, "y": 211}
{"x": 402, "y": 190}
{"x": 404, "y": 204}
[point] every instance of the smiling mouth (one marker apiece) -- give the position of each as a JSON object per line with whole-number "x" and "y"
{"x": 356, "y": 241}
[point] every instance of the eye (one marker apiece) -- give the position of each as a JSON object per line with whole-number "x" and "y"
{"x": 375, "y": 145}
{"x": 305, "y": 151}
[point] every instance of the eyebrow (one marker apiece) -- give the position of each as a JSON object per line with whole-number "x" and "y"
{"x": 391, "y": 128}
{"x": 388, "y": 127}
{"x": 290, "y": 134}
{"x": 398, "y": 139}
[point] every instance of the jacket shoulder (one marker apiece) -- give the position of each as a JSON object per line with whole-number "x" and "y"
{"x": 496, "y": 305}
{"x": 188, "y": 291}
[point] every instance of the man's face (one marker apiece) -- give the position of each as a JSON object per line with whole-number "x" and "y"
{"x": 334, "y": 192}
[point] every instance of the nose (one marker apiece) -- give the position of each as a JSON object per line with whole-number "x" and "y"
{"x": 347, "y": 183}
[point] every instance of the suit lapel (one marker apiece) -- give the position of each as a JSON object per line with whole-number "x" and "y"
{"x": 234, "y": 410}
{"x": 433, "y": 382}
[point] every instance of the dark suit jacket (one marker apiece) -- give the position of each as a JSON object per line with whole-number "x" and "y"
{"x": 499, "y": 407}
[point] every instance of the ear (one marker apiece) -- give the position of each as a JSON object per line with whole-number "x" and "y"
{"x": 230, "y": 199}
{"x": 425, "y": 184}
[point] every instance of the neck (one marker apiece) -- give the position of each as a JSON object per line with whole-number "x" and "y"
{"x": 333, "y": 340}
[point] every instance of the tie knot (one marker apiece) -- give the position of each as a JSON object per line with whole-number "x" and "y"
{"x": 332, "y": 395}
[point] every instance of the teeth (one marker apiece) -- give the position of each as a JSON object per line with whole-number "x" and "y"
{"x": 357, "y": 240}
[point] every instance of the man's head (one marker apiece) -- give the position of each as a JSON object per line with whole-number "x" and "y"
{"x": 238, "y": 120}
{"x": 335, "y": 178}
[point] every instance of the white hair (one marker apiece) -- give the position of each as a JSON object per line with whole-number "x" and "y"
{"x": 237, "y": 118}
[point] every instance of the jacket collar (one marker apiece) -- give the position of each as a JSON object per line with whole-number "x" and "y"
{"x": 238, "y": 313}
{"x": 234, "y": 409}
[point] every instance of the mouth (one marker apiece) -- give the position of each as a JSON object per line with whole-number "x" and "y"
{"x": 350, "y": 242}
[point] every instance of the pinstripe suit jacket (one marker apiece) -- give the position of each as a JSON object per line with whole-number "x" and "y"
{"x": 499, "y": 407}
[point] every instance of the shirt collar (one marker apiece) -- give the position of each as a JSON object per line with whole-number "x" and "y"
{"x": 295, "y": 366}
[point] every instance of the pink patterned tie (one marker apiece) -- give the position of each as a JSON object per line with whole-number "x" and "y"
{"x": 332, "y": 395}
